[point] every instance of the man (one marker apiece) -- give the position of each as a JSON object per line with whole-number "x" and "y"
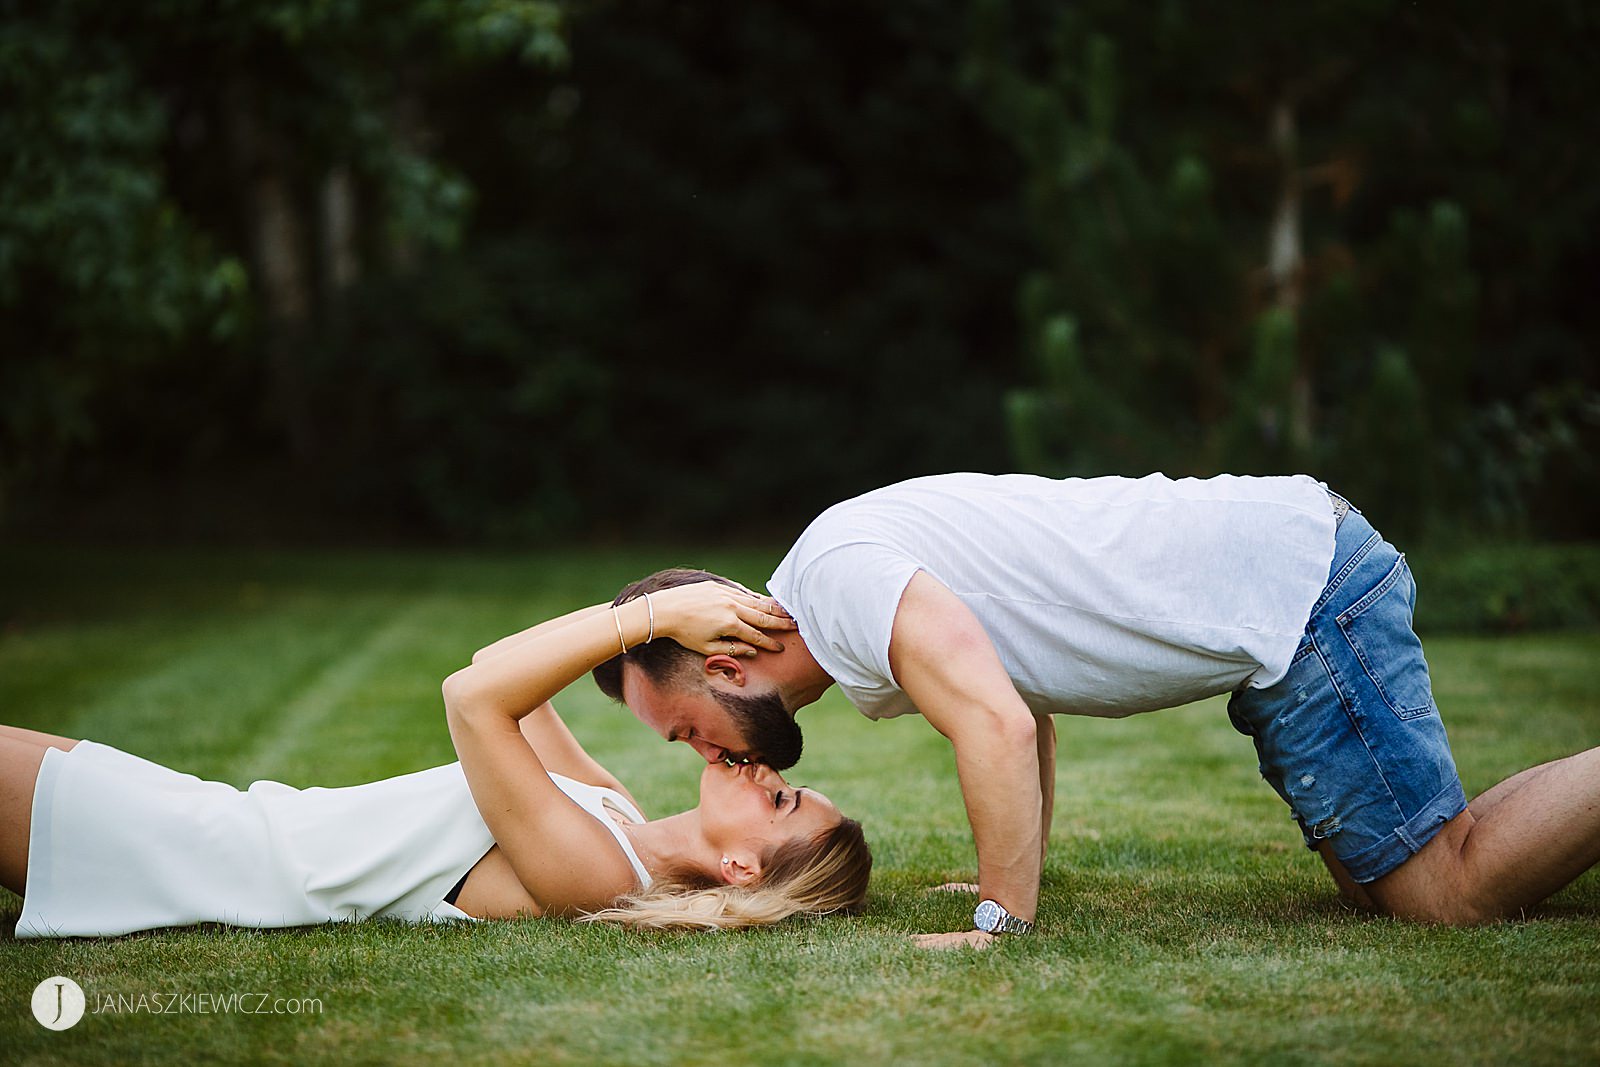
{"x": 988, "y": 604}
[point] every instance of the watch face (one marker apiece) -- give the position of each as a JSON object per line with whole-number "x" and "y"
{"x": 987, "y": 917}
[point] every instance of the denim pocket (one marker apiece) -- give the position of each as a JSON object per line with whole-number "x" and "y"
{"x": 1378, "y": 627}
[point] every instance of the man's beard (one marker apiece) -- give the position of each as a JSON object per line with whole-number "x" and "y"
{"x": 770, "y": 733}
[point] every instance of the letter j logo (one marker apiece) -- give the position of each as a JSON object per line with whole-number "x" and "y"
{"x": 58, "y": 1003}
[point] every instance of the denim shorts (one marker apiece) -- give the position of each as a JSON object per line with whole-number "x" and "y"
{"x": 1350, "y": 738}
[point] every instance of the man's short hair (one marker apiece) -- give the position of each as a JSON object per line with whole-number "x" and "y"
{"x": 768, "y": 729}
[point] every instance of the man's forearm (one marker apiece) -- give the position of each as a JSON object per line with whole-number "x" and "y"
{"x": 1000, "y": 783}
{"x": 942, "y": 658}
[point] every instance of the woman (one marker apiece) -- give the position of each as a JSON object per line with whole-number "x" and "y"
{"x": 100, "y": 842}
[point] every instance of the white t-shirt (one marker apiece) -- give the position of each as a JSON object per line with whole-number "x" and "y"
{"x": 1103, "y": 596}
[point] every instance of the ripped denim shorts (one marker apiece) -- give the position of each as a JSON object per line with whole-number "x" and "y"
{"x": 1350, "y": 737}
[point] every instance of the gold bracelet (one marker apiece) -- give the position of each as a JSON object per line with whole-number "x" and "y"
{"x": 618, "y": 620}
{"x": 652, "y": 609}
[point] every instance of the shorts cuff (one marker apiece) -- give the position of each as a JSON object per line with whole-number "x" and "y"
{"x": 1375, "y": 861}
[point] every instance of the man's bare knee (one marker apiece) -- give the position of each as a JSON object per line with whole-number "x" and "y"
{"x": 1434, "y": 885}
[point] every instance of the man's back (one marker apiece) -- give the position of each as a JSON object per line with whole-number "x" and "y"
{"x": 1103, "y": 596}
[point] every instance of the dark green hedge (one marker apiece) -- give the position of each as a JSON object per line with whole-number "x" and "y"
{"x": 1507, "y": 588}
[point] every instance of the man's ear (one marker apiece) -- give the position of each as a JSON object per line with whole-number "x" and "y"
{"x": 742, "y": 868}
{"x": 728, "y": 668}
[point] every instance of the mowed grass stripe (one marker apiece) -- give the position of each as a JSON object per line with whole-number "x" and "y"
{"x": 299, "y": 730}
{"x": 208, "y": 687}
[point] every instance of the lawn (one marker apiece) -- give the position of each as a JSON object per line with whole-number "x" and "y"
{"x": 1181, "y": 921}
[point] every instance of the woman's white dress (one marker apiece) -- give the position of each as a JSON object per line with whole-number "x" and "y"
{"x": 119, "y": 843}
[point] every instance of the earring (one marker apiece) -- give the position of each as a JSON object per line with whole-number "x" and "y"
{"x": 725, "y": 861}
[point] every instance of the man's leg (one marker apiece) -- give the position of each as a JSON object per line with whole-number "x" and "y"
{"x": 1490, "y": 798}
{"x": 1532, "y": 838}
{"x": 1351, "y": 891}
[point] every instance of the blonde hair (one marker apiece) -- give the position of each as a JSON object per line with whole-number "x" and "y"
{"x": 824, "y": 874}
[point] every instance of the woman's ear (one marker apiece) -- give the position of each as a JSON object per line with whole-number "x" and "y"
{"x": 740, "y": 868}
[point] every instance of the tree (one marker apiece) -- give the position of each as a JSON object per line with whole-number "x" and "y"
{"x": 179, "y": 178}
{"x": 1298, "y": 238}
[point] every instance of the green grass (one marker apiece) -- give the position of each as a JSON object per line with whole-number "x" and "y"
{"x": 1181, "y": 921}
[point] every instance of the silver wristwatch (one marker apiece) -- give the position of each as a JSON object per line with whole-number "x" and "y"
{"x": 991, "y": 918}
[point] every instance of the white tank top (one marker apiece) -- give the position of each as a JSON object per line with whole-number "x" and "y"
{"x": 122, "y": 844}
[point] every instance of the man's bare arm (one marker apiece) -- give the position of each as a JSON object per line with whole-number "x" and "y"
{"x": 1047, "y": 796}
{"x": 944, "y": 661}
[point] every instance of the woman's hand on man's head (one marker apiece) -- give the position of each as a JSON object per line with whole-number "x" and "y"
{"x": 713, "y": 619}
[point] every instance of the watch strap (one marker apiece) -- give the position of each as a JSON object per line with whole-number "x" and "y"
{"x": 1010, "y": 924}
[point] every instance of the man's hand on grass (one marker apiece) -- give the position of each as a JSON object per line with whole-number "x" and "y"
{"x": 959, "y": 939}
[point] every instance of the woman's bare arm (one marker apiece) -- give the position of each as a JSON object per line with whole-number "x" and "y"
{"x": 564, "y": 858}
{"x": 559, "y": 751}
{"x": 513, "y": 640}
{"x": 562, "y": 753}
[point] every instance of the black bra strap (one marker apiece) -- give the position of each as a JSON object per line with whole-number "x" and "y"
{"x": 455, "y": 890}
